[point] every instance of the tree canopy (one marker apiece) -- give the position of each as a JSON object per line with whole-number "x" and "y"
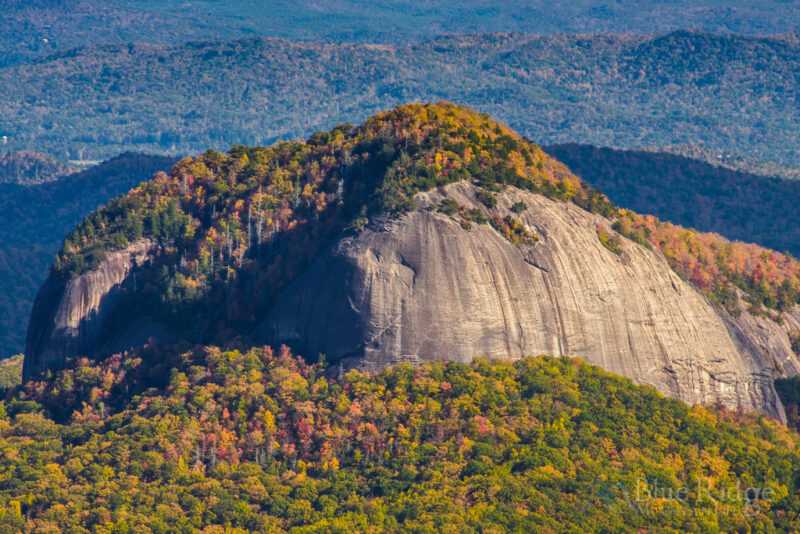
{"x": 256, "y": 440}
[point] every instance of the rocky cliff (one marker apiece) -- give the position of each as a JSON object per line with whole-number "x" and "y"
{"x": 70, "y": 317}
{"x": 425, "y": 288}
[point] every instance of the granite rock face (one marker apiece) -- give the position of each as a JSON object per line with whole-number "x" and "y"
{"x": 424, "y": 288}
{"x": 770, "y": 338}
{"x": 70, "y": 317}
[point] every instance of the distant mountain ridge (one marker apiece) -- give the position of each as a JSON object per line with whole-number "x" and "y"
{"x": 739, "y": 162}
{"x": 737, "y": 94}
{"x": 34, "y": 29}
{"x": 29, "y": 168}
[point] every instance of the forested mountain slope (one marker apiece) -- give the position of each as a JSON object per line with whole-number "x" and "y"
{"x": 692, "y": 193}
{"x": 36, "y": 218}
{"x": 428, "y": 230}
{"x": 259, "y": 441}
{"x": 737, "y": 94}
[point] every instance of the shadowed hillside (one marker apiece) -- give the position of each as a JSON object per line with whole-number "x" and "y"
{"x": 692, "y": 193}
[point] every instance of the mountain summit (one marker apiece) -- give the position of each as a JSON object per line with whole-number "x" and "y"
{"x": 429, "y": 232}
